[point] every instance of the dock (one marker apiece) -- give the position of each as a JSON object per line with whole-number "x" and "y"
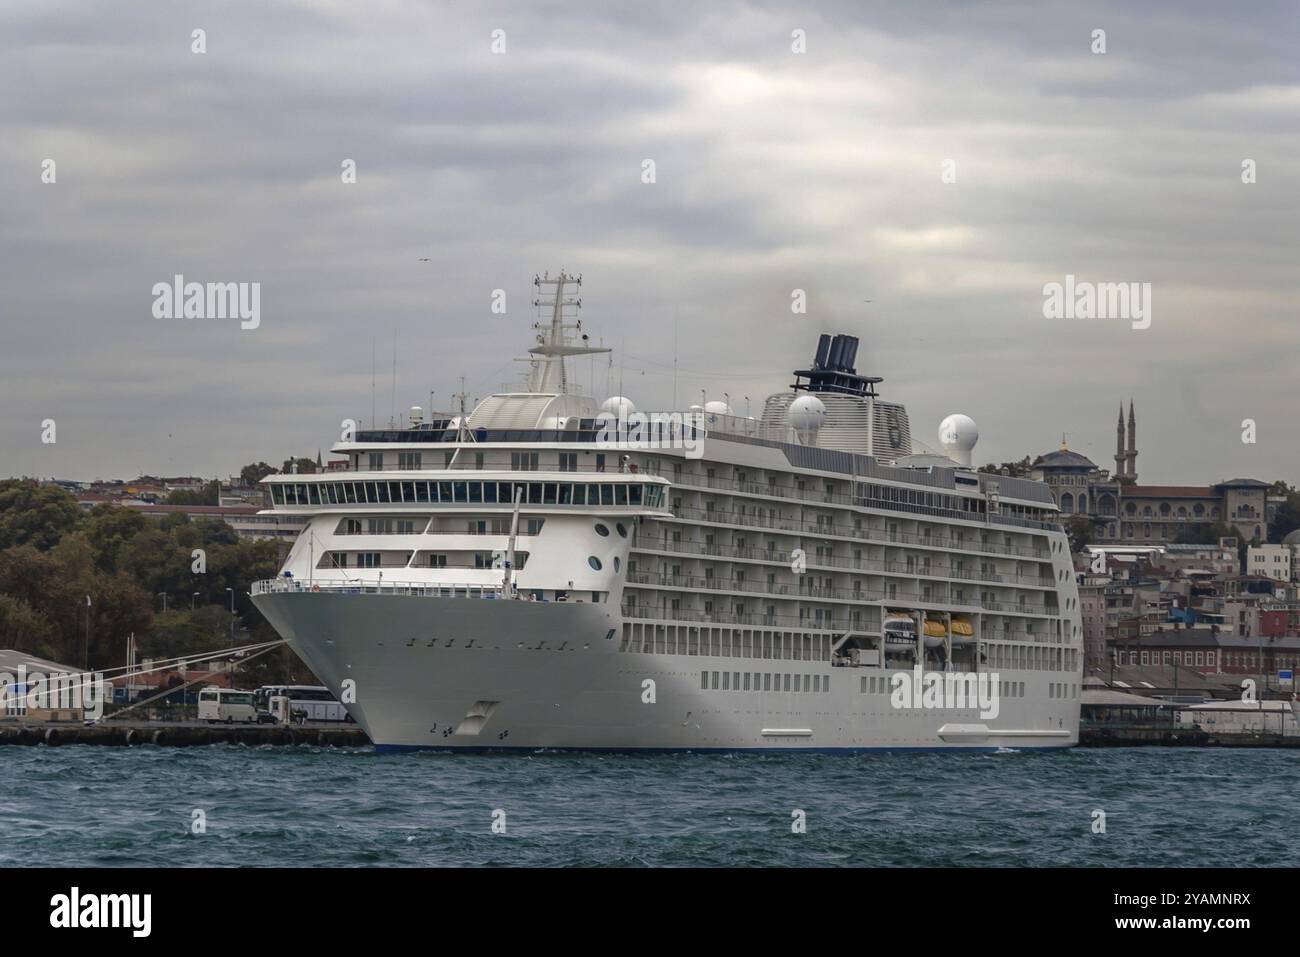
{"x": 1121, "y": 736}
{"x": 180, "y": 734}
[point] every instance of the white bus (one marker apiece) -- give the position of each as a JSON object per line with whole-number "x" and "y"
{"x": 226, "y": 704}
{"x": 300, "y": 702}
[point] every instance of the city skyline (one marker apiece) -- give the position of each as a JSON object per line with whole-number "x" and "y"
{"x": 775, "y": 171}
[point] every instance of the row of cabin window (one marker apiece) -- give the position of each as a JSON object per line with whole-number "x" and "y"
{"x": 519, "y": 461}
{"x": 732, "y": 681}
{"x": 465, "y": 493}
{"x": 884, "y": 684}
{"x": 408, "y": 526}
{"x": 423, "y": 560}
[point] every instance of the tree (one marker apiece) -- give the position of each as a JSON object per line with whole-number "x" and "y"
{"x": 254, "y": 473}
{"x": 210, "y": 494}
{"x": 1012, "y": 469}
{"x": 26, "y": 629}
{"x": 37, "y": 515}
{"x": 1287, "y": 517}
{"x": 305, "y": 466}
{"x": 1080, "y": 529}
{"x": 109, "y": 528}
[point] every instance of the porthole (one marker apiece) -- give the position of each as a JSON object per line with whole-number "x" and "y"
{"x": 601, "y": 530}
{"x": 594, "y": 562}
{"x": 622, "y": 530}
{"x": 617, "y": 563}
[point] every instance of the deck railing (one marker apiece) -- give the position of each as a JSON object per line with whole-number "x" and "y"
{"x": 378, "y": 587}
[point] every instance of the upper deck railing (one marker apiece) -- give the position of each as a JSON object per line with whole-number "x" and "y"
{"x": 269, "y": 586}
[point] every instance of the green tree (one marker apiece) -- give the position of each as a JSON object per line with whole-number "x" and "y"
{"x": 26, "y": 629}
{"x": 210, "y": 494}
{"x": 1287, "y": 517}
{"x": 1080, "y": 529}
{"x": 109, "y": 528}
{"x": 1013, "y": 469}
{"x": 32, "y": 514}
{"x": 305, "y": 466}
{"x": 254, "y": 473}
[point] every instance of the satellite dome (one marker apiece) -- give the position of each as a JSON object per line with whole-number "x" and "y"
{"x": 619, "y": 406}
{"x": 807, "y": 413}
{"x": 717, "y": 407}
{"x": 958, "y": 435}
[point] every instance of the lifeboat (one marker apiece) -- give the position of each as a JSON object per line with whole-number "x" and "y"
{"x": 935, "y": 633}
{"x": 899, "y": 630}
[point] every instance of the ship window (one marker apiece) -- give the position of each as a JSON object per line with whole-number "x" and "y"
{"x": 622, "y": 529}
{"x": 277, "y": 494}
{"x": 422, "y": 491}
{"x": 381, "y": 489}
{"x": 726, "y": 681}
{"x": 535, "y": 493}
{"x": 579, "y": 495}
{"x": 459, "y": 491}
{"x": 704, "y": 679}
{"x": 620, "y": 494}
{"x": 594, "y": 562}
{"x": 548, "y": 493}
{"x": 444, "y": 492}
{"x": 490, "y": 492}
{"x": 617, "y": 563}
{"x": 566, "y": 494}
{"x": 786, "y": 683}
{"x": 593, "y": 494}
{"x": 601, "y": 530}
{"x": 767, "y": 681}
{"x": 476, "y": 493}
{"x": 607, "y": 495}
{"x": 408, "y": 491}
{"x": 634, "y": 494}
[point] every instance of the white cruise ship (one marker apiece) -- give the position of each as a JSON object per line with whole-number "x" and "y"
{"x": 536, "y": 574}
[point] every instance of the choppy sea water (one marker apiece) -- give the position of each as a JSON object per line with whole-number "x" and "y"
{"x": 105, "y": 807}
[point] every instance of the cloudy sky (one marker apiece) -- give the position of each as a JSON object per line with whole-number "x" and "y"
{"x": 774, "y": 171}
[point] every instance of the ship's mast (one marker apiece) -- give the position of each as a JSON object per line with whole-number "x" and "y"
{"x": 554, "y": 343}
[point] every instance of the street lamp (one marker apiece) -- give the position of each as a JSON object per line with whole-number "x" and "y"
{"x": 85, "y": 658}
{"x": 192, "y": 597}
{"x": 164, "y": 598}
{"x": 232, "y": 615}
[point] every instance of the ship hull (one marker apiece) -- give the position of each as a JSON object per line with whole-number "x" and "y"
{"x": 474, "y": 675}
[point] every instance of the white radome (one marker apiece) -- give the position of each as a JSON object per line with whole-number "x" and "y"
{"x": 807, "y": 413}
{"x": 619, "y": 406}
{"x": 958, "y": 434}
{"x": 717, "y": 407}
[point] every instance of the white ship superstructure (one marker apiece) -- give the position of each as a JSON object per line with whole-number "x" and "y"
{"x": 523, "y": 576}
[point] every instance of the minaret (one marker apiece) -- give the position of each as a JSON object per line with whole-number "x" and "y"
{"x": 1119, "y": 442}
{"x": 1131, "y": 454}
